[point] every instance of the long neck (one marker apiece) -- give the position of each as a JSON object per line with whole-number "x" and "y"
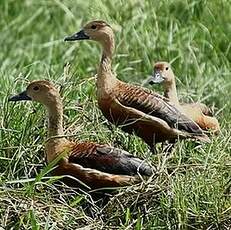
{"x": 170, "y": 92}
{"x": 55, "y": 118}
{"x": 56, "y": 143}
{"x": 105, "y": 75}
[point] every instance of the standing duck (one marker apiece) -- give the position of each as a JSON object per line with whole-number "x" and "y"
{"x": 198, "y": 112}
{"x": 96, "y": 165}
{"x": 134, "y": 109}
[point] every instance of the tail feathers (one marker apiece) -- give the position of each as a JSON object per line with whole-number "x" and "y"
{"x": 145, "y": 169}
{"x": 200, "y": 137}
{"x": 135, "y": 165}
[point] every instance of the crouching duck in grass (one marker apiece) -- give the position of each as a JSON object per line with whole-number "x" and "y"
{"x": 134, "y": 109}
{"x": 198, "y": 112}
{"x": 96, "y": 165}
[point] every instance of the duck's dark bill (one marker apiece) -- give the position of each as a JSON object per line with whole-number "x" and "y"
{"x": 20, "y": 97}
{"x": 77, "y": 36}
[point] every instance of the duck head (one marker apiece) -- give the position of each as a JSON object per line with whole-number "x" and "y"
{"x": 162, "y": 73}
{"x": 97, "y": 30}
{"x": 41, "y": 91}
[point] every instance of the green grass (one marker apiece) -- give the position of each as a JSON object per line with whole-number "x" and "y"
{"x": 192, "y": 189}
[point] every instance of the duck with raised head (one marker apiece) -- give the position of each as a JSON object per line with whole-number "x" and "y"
{"x": 198, "y": 112}
{"x": 133, "y": 108}
{"x": 96, "y": 165}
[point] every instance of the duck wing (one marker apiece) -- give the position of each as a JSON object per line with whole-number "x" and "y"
{"x": 157, "y": 106}
{"x": 108, "y": 160}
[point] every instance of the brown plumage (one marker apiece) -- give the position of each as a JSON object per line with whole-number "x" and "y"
{"x": 135, "y": 109}
{"x": 94, "y": 164}
{"x": 198, "y": 112}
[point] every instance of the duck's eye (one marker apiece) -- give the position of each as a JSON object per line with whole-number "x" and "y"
{"x": 36, "y": 88}
{"x": 93, "y": 27}
{"x": 166, "y": 68}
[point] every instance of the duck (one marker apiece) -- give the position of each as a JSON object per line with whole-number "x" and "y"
{"x": 96, "y": 165}
{"x": 198, "y": 112}
{"x": 134, "y": 109}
